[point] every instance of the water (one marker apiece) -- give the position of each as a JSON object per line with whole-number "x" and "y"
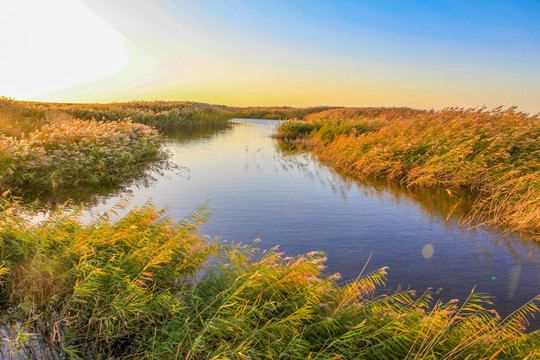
{"x": 256, "y": 189}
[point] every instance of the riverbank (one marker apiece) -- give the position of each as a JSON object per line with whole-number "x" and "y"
{"x": 45, "y": 147}
{"x": 79, "y": 153}
{"x": 101, "y": 290}
{"x": 144, "y": 286}
{"x": 26, "y": 116}
{"x": 492, "y": 154}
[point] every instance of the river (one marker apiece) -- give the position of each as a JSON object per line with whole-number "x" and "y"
{"x": 257, "y": 190}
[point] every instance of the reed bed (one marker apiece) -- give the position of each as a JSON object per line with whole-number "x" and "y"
{"x": 161, "y": 114}
{"x": 147, "y": 287}
{"x": 275, "y": 112}
{"x": 494, "y": 154}
{"x": 26, "y": 116}
{"x": 48, "y": 146}
{"x": 16, "y": 118}
{"x": 77, "y": 153}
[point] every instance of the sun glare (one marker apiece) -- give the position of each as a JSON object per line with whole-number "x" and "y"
{"x": 50, "y": 45}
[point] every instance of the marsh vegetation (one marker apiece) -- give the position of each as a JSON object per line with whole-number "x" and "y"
{"x": 494, "y": 155}
{"x": 149, "y": 287}
{"x": 146, "y": 285}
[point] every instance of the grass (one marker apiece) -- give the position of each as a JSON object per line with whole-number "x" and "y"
{"x": 160, "y": 114}
{"x": 17, "y": 118}
{"x": 495, "y": 155}
{"x": 147, "y": 287}
{"x": 47, "y": 147}
{"x": 275, "y": 112}
{"x": 27, "y": 116}
{"x": 78, "y": 153}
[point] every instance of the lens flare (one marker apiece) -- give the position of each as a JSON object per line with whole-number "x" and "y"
{"x": 427, "y": 251}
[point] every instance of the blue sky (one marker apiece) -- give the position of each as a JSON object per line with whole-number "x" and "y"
{"x": 356, "y": 53}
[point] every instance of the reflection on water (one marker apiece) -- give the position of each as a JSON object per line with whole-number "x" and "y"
{"x": 437, "y": 202}
{"x": 149, "y": 175}
{"x": 194, "y": 133}
{"x": 91, "y": 195}
{"x": 258, "y": 190}
{"x": 448, "y": 209}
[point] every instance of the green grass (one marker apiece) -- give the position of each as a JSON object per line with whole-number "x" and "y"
{"x": 295, "y": 129}
{"x": 146, "y": 287}
{"x": 494, "y": 155}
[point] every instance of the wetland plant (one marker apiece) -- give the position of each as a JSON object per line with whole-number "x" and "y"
{"x": 147, "y": 287}
{"x": 78, "y": 153}
{"x": 494, "y": 155}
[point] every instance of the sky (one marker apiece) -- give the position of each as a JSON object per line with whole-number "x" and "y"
{"x": 422, "y": 54}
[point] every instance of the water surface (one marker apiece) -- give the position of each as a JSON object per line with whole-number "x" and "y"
{"x": 256, "y": 189}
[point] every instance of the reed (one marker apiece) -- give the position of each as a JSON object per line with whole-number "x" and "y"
{"x": 78, "y": 153}
{"x": 147, "y": 287}
{"x": 493, "y": 154}
{"x": 26, "y": 116}
{"x": 45, "y": 147}
{"x": 160, "y": 114}
{"x": 275, "y": 112}
{"x": 16, "y": 118}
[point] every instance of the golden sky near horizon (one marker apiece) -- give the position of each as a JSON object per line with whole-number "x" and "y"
{"x": 245, "y": 54}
